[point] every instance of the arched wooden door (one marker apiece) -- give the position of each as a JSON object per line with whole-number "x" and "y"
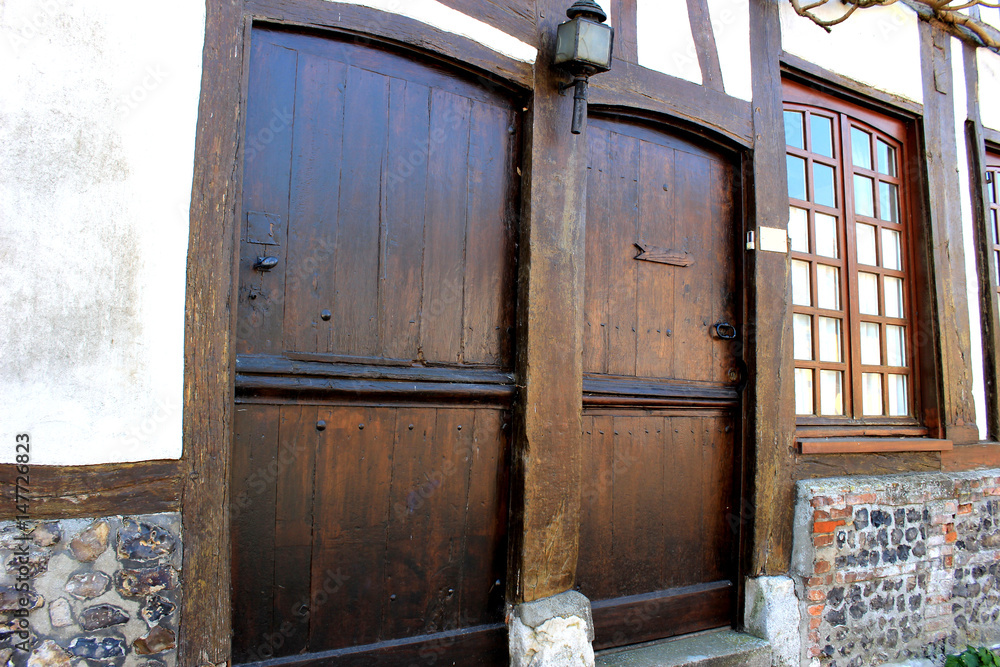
{"x": 662, "y": 348}
{"x": 375, "y": 348}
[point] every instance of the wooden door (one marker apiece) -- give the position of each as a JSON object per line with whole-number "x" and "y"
{"x": 661, "y": 400}
{"x": 376, "y": 306}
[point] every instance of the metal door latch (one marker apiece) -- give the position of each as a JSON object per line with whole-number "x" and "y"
{"x": 725, "y": 331}
{"x": 265, "y": 263}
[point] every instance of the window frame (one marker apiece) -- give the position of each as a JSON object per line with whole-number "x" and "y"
{"x": 920, "y": 344}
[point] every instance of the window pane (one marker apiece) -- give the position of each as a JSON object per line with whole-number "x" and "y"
{"x": 893, "y": 297}
{"x": 888, "y": 201}
{"x": 871, "y": 345}
{"x": 996, "y": 227}
{"x": 803, "y": 391}
{"x": 826, "y": 235}
{"x": 827, "y": 287}
{"x": 798, "y": 228}
{"x": 861, "y": 148}
{"x": 871, "y": 393}
{"x": 891, "y": 251}
{"x": 886, "y": 158}
{"x": 829, "y": 339}
{"x": 822, "y": 135}
{"x": 867, "y": 293}
{"x": 800, "y": 283}
{"x": 802, "y": 336}
{"x": 794, "y": 136}
{"x": 898, "y": 400}
{"x": 866, "y": 244}
{"x": 996, "y": 264}
{"x": 895, "y": 345}
{"x": 796, "y": 177}
{"x": 991, "y": 178}
{"x": 864, "y": 196}
{"x": 823, "y": 185}
{"x": 831, "y": 390}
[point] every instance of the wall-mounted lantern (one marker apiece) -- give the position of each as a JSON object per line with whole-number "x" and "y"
{"x": 584, "y": 46}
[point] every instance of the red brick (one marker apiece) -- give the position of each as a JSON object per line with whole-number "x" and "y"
{"x": 828, "y": 579}
{"x": 816, "y": 595}
{"x": 820, "y": 515}
{"x": 842, "y": 513}
{"x": 814, "y": 623}
{"x": 823, "y": 540}
{"x": 862, "y": 499}
{"x": 815, "y": 610}
{"x": 827, "y": 526}
{"x": 951, "y": 537}
{"x": 949, "y": 561}
{"x": 965, "y": 509}
{"x": 822, "y": 566}
{"x": 823, "y": 501}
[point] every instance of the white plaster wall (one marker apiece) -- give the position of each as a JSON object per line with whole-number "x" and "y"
{"x": 989, "y": 88}
{"x": 443, "y": 17}
{"x": 878, "y": 46}
{"x": 731, "y": 26}
{"x": 664, "y": 40}
{"x": 969, "y": 236}
{"x": 97, "y": 123}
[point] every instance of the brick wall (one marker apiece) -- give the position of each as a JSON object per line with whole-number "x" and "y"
{"x": 895, "y": 567}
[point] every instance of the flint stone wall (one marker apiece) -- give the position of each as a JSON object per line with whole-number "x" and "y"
{"x": 101, "y": 592}
{"x": 897, "y": 567}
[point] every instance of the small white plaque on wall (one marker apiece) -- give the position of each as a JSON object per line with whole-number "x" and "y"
{"x": 773, "y": 240}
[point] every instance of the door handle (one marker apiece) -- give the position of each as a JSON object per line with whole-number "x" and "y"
{"x": 725, "y": 331}
{"x": 265, "y": 263}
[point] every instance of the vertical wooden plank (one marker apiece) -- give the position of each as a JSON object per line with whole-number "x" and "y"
{"x": 945, "y": 250}
{"x": 355, "y": 330}
{"x": 445, "y": 230}
{"x": 683, "y": 463}
{"x": 294, "y": 470}
{"x": 595, "y": 331}
{"x": 724, "y": 287}
{"x": 771, "y": 391}
{"x": 255, "y": 451}
{"x": 695, "y": 292}
{"x": 267, "y": 171}
{"x": 704, "y": 42}
{"x": 351, "y": 513}
{"x": 403, "y": 220}
{"x": 717, "y": 483}
{"x": 314, "y": 203}
{"x": 622, "y": 270}
{"x": 485, "y": 552}
{"x": 638, "y": 509}
{"x": 210, "y": 332}
{"x": 596, "y": 568}
{"x": 655, "y": 294}
{"x": 488, "y": 253}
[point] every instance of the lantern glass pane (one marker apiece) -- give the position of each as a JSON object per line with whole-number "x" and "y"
{"x": 594, "y": 44}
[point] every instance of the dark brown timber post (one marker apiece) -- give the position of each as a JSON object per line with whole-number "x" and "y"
{"x": 958, "y": 411}
{"x": 545, "y": 526}
{"x": 772, "y": 422}
{"x": 205, "y": 626}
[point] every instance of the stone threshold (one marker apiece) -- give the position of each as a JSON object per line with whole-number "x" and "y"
{"x": 716, "y": 648}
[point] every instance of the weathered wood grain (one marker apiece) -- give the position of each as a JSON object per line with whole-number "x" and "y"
{"x": 64, "y": 492}
{"x": 205, "y": 625}
{"x": 704, "y": 44}
{"x": 772, "y": 424}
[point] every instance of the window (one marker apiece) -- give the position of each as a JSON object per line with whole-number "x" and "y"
{"x": 849, "y": 231}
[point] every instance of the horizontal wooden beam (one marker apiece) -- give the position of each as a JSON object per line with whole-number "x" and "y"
{"x": 872, "y": 445}
{"x": 366, "y": 23}
{"x": 322, "y": 390}
{"x": 71, "y": 492}
{"x": 632, "y": 87}
{"x": 971, "y": 457}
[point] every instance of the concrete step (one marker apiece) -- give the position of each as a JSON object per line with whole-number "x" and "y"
{"x": 720, "y": 648}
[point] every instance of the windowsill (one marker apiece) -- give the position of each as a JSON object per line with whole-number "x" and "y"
{"x": 848, "y": 445}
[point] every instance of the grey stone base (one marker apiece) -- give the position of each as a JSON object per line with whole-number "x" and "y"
{"x": 557, "y": 631}
{"x": 723, "y": 648}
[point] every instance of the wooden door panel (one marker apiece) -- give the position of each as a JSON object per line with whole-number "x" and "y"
{"x": 661, "y": 404}
{"x": 395, "y": 210}
{"x": 373, "y": 388}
